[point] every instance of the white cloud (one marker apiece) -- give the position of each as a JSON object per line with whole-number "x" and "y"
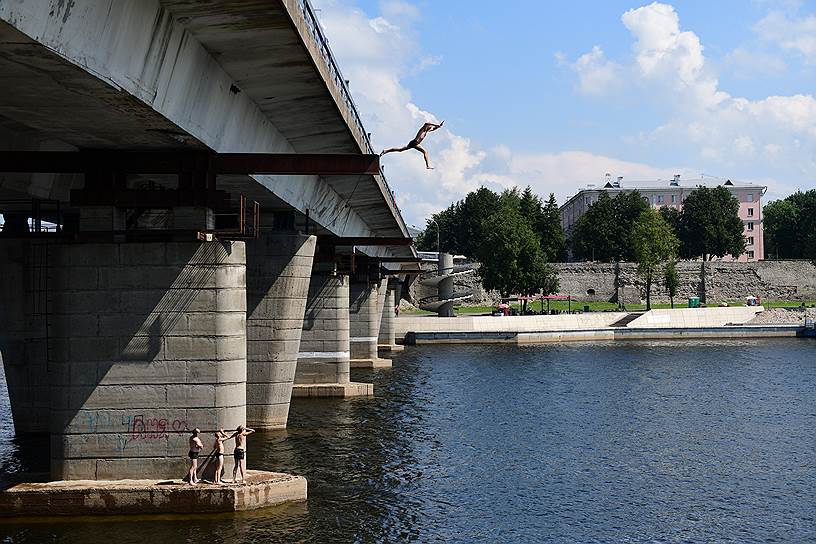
{"x": 750, "y": 64}
{"x": 790, "y": 33}
{"x": 596, "y": 74}
{"x": 734, "y": 135}
{"x": 377, "y": 53}
{"x": 671, "y": 69}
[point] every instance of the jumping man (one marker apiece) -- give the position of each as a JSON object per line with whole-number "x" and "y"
{"x": 414, "y": 144}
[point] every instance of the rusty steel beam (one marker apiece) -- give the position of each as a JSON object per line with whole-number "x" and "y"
{"x": 177, "y": 162}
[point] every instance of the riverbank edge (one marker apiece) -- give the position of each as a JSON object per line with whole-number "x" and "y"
{"x": 604, "y": 334}
{"x": 149, "y": 497}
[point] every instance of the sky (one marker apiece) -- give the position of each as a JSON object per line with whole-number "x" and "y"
{"x": 556, "y": 94}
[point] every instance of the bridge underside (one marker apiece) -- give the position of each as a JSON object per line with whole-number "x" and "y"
{"x": 232, "y": 76}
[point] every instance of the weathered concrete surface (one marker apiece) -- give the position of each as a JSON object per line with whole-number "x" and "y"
{"x": 146, "y": 342}
{"x": 528, "y": 323}
{"x": 279, "y": 269}
{"x": 600, "y": 282}
{"x": 134, "y": 497}
{"x": 696, "y": 317}
{"x": 231, "y": 76}
{"x": 23, "y": 332}
{"x": 716, "y": 281}
{"x": 364, "y": 325}
{"x": 340, "y": 390}
{"x": 609, "y": 334}
{"x": 325, "y": 351}
{"x": 387, "y": 337}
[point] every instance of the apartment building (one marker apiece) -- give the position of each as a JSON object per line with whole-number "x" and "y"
{"x": 672, "y": 193}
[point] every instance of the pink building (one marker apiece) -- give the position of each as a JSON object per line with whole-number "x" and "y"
{"x": 672, "y": 194}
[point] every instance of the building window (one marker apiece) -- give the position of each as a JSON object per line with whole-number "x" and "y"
{"x": 674, "y": 199}
{"x": 751, "y": 226}
{"x": 750, "y": 254}
{"x": 750, "y": 240}
{"x": 750, "y": 197}
{"x": 750, "y": 212}
{"x": 660, "y": 199}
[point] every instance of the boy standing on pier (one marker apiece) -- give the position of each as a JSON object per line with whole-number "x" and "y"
{"x": 239, "y": 454}
{"x": 218, "y": 452}
{"x": 195, "y": 449}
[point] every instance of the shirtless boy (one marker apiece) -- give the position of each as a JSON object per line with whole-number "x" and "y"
{"x": 414, "y": 144}
{"x": 195, "y": 449}
{"x": 218, "y": 452}
{"x": 239, "y": 454}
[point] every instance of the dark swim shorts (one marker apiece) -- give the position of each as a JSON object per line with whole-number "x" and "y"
{"x": 193, "y": 454}
{"x": 413, "y": 143}
{"x": 238, "y": 454}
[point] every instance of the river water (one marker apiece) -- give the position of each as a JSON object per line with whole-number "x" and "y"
{"x": 675, "y": 441}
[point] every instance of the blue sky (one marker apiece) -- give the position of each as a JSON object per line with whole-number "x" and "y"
{"x": 556, "y": 94}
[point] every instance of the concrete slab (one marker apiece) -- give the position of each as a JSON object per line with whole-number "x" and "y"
{"x": 131, "y": 497}
{"x": 342, "y": 390}
{"x": 370, "y": 363}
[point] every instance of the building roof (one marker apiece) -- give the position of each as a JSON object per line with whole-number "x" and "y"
{"x": 665, "y": 185}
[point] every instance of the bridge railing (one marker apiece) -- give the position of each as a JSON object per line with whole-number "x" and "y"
{"x": 323, "y": 44}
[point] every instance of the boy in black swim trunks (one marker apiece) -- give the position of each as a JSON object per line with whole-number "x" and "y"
{"x": 218, "y": 452}
{"x": 239, "y": 454}
{"x": 195, "y": 449}
{"x": 414, "y": 144}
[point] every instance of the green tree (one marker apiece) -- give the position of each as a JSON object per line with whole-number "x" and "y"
{"x": 512, "y": 261}
{"x": 553, "y": 241}
{"x": 710, "y": 225}
{"x": 628, "y": 206}
{"x": 654, "y": 244}
{"x": 603, "y": 233}
{"x": 790, "y": 226}
{"x": 671, "y": 280}
{"x": 593, "y": 234}
{"x": 477, "y": 206}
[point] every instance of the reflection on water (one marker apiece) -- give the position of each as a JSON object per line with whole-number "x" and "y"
{"x": 650, "y": 441}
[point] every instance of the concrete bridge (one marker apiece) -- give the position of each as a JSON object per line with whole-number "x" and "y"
{"x": 196, "y": 226}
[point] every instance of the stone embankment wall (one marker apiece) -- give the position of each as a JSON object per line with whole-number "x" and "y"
{"x": 713, "y": 281}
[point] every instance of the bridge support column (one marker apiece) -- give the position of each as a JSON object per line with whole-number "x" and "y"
{"x": 23, "y": 332}
{"x": 279, "y": 269}
{"x": 365, "y": 320}
{"x": 387, "y": 338}
{"x": 147, "y": 341}
{"x": 323, "y": 360}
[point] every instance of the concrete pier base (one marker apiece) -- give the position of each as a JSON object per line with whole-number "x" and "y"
{"x": 134, "y": 497}
{"x": 323, "y": 368}
{"x": 344, "y": 390}
{"x": 364, "y": 323}
{"x": 387, "y": 335}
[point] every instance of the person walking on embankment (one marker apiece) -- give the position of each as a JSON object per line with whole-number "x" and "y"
{"x": 195, "y": 448}
{"x": 239, "y": 454}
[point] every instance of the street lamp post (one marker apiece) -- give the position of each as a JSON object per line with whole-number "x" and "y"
{"x": 438, "y": 249}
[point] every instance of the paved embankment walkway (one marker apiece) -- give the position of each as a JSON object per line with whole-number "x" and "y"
{"x": 719, "y": 322}
{"x": 129, "y": 497}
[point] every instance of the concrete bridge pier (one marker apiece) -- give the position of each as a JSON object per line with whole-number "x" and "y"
{"x": 387, "y": 338}
{"x": 23, "y": 332}
{"x": 365, "y": 315}
{"x": 279, "y": 269}
{"x": 145, "y": 342}
{"x": 323, "y": 361}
